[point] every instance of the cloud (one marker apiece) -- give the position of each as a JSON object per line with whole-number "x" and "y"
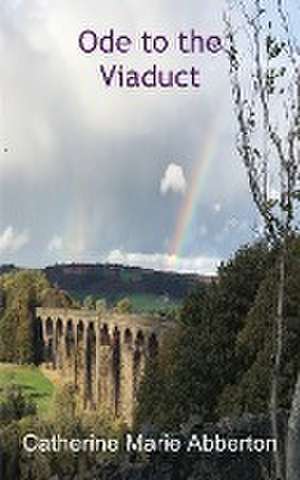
{"x": 203, "y": 231}
{"x": 12, "y": 241}
{"x": 55, "y": 244}
{"x": 173, "y": 180}
{"x": 201, "y": 264}
{"x": 82, "y": 160}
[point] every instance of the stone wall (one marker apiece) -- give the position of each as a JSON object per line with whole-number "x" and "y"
{"x": 103, "y": 355}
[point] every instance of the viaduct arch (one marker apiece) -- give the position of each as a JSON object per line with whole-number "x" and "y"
{"x": 102, "y": 354}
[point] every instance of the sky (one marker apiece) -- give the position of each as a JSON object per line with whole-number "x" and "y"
{"x": 94, "y": 174}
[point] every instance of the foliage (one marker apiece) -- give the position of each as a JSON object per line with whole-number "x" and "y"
{"x": 24, "y": 290}
{"x": 53, "y": 298}
{"x": 15, "y": 404}
{"x": 67, "y": 421}
{"x": 101, "y": 305}
{"x": 217, "y": 363}
{"x": 188, "y": 378}
{"x": 254, "y": 345}
{"x": 199, "y": 360}
{"x": 89, "y": 302}
{"x": 123, "y": 306}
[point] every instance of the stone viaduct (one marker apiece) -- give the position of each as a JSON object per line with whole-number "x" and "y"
{"x": 102, "y": 354}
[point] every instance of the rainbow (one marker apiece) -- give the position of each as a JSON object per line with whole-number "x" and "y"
{"x": 188, "y": 208}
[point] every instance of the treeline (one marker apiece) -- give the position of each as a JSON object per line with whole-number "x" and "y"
{"x": 219, "y": 362}
{"x": 113, "y": 282}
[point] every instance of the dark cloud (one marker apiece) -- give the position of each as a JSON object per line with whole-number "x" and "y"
{"x": 83, "y": 169}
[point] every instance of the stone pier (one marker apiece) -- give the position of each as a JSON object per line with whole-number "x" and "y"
{"x": 103, "y": 354}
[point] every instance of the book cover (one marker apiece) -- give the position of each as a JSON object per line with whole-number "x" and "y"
{"x": 149, "y": 246}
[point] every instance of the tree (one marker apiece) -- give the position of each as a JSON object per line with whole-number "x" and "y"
{"x": 198, "y": 361}
{"x": 254, "y": 345}
{"x": 101, "y": 305}
{"x": 52, "y": 297}
{"x": 124, "y": 306}
{"x": 293, "y": 457}
{"x": 14, "y": 404}
{"x": 24, "y": 290}
{"x": 265, "y": 81}
{"x": 89, "y": 302}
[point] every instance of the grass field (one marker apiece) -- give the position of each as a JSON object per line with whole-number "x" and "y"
{"x": 148, "y": 302}
{"x": 33, "y": 382}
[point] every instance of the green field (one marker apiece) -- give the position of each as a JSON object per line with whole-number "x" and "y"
{"x": 35, "y": 385}
{"x": 143, "y": 302}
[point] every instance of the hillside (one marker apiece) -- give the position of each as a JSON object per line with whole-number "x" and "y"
{"x": 113, "y": 282}
{"x": 147, "y": 289}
